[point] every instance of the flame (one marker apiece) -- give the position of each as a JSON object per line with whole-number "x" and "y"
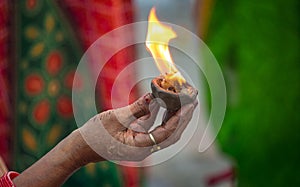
{"x": 157, "y": 41}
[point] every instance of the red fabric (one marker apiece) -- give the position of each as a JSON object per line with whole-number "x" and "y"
{"x": 4, "y": 89}
{"x": 6, "y": 180}
{"x": 92, "y": 19}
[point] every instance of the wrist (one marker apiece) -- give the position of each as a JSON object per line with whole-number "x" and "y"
{"x": 73, "y": 150}
{"x": 81, "y": 152}
{"x": 57, "y": 165}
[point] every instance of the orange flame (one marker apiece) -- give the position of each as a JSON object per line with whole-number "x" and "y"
{"x": 157, "y": 41}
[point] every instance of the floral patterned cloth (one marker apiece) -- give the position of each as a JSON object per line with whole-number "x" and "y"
{"x": 49, "y": 39}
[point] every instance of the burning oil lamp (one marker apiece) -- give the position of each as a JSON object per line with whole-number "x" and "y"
{"x": 170, "y": 86}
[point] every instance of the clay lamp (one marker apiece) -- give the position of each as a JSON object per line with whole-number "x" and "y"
{"x": 172, "y": 97}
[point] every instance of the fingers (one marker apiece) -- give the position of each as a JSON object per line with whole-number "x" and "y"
{"x": 177, "y": 121}
{"x": 163, "y": 132}
{"x": 139, "y": 108}
{"x": 186, "y": 118}
{"x": 144, "y": 123}
{"x": 167, "y": 115}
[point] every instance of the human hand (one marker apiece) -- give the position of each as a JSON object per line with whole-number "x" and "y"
{"x": 119, "y": 134}
{"x": 122, "y": 134}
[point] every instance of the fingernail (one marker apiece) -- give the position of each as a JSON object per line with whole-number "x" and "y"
{"x": 148, "y": 97}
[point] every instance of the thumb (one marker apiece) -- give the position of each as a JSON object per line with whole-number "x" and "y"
{"x": 139, "y": 108}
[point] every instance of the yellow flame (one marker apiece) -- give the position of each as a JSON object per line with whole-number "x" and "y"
{"x": 157, "y": 41}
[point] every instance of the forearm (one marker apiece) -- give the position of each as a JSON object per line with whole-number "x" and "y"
{"x": 57, "y": 165}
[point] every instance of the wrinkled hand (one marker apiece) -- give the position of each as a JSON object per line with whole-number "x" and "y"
{"x": 122, "y": 134}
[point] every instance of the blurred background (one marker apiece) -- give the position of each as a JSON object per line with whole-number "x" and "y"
{"x": 256, "y": 43}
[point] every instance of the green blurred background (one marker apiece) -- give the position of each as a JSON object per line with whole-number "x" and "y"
{"x": 257, "y": 44}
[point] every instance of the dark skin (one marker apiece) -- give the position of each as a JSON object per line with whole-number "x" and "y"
{"x": 127, "y": 126}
